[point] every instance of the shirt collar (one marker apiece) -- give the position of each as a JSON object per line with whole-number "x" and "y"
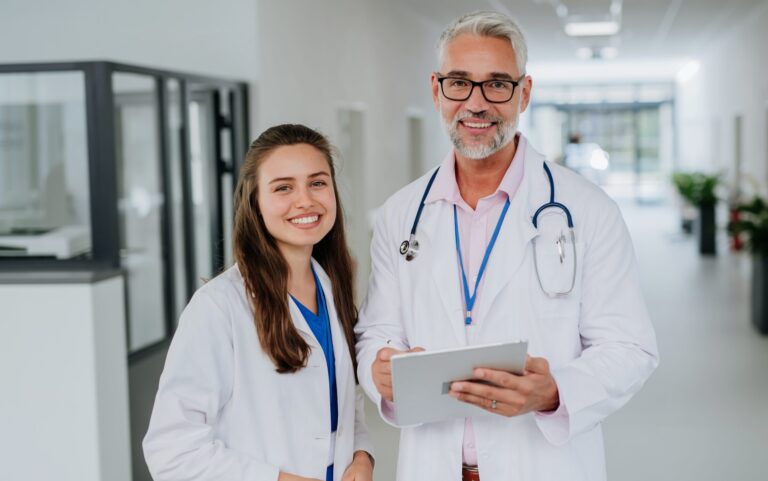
{"x": 445, "y": 187}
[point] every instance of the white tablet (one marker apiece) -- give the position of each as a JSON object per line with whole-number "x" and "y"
{"x": 421, "y": 380}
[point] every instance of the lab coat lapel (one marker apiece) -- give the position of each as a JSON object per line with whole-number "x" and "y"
{"x": 340, "y": 349}
{"x": 516, "y": 233}
{"x": 301, "y": 323}
{"x": 437, "y": 254}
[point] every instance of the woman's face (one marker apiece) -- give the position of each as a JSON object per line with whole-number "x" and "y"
{"x": 296, "y": 196}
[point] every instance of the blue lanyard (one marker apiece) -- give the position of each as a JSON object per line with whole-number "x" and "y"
{"x": 470, "y": 300}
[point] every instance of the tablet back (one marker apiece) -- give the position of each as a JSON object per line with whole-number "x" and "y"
{"x": 421, "y": 380}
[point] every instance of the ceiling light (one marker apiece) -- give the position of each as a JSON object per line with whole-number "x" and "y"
{"x": 688, "y": 71}
{"x": 591, "y": 29}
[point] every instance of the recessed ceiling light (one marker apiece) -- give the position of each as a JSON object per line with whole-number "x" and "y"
{"x": 592, "y": 29}
{"x": 688, "y": 71}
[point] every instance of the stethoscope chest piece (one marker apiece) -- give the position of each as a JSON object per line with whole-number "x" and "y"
{"x": 404, "y": 247}
{"x": 409, "y": 248}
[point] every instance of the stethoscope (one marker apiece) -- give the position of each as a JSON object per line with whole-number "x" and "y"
{"x": 410, "y": 248}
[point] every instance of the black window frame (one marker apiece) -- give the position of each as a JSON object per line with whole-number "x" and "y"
{"x": 102, "y": 171}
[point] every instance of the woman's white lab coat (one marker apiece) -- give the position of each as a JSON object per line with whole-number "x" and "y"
{"x": 599, "y": 340}
{"x": 222, "y": 412}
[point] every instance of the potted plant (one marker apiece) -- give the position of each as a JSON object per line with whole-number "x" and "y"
{"x": 683, "y": 182}
{"x": 753, "y": 224}
{"x": 704, "y": 197}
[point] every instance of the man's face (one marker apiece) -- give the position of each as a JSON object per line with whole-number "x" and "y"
{"x": 479, "y": 128}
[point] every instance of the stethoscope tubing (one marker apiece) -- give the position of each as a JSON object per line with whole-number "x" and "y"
{"x": 409, "y": 248}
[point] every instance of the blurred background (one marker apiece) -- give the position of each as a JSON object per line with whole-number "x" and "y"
{"x": 123, "y": 125}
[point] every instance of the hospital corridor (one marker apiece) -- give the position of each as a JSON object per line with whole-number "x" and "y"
{"x": 221, "y": 223}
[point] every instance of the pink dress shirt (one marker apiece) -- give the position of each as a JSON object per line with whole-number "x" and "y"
{"x": 475, "y": 230}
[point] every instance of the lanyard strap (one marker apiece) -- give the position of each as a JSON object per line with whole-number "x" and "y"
{"x": 470, "y": 300}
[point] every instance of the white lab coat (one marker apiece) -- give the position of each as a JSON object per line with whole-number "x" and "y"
{"x": 599, "y": 340}
{"x": 222, "y": 412}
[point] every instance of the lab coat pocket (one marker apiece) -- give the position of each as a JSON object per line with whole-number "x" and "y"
{"x": 557, "y": 289}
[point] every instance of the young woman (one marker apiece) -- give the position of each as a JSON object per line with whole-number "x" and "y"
{"x": 259, "y": 383}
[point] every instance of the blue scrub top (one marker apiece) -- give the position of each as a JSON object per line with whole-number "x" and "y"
{"x": 320, "y": 324}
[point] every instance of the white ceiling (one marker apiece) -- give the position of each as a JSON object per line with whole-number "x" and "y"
{"x": 657, "y": 37}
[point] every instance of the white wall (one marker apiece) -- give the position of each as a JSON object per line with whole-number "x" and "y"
{"x": 216, "y": 38}
{"x": 319, "y": 56}
{"x": 732, "y": 80}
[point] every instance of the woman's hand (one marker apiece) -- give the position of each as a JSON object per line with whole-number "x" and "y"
{"x": 360, "y": 469}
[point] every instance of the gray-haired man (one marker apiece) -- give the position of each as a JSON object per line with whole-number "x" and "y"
{"x": 476, "y": 281}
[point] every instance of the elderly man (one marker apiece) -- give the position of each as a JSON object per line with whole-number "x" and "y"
{"x": 509, "y": 247}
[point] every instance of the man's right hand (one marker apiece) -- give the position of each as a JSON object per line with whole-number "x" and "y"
{"x": 382, "y": 370}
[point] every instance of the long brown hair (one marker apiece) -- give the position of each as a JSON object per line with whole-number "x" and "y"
{"x": 265, "y": 271}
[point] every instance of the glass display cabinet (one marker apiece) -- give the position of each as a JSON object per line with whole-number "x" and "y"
{"x": 111, "y": 166}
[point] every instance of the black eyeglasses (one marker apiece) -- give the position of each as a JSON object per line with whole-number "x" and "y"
{"x": 495, "y": 91}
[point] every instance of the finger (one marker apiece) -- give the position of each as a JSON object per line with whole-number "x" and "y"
{"x": 383, "y": 374}
{"x": 499, "y": 378}
{"x": 510, "y": 407}
{"x": 386, "y": 353}
{"x": 384, "y": 368}
{"x": 386, "y": 393}
{"x": 478, "y": 389}
{"x": 417, "y": 349}
{"x": 384, "y": 382}
{"x": 537, "y": 365}
{"x": 479, "y": 401}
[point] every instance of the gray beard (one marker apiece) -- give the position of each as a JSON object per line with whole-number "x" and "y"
{"x": 505, "y": 133}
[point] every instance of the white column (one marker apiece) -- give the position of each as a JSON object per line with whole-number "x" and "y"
{"x": 63, "y": 379}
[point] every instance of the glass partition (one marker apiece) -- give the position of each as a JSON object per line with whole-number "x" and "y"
{"x": 44, "y": 191}
{"x": 140, "y": 205}
{"x": 176, "y": 197}
{"x": 112, "y": 166}
{"x": 202, "y": 164}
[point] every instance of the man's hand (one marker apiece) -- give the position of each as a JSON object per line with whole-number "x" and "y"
{"x": 510, "y": 394}
{"x": 293, "y": 477}
{"x": 382, "y": 370}
{"x": 360, "y": 469}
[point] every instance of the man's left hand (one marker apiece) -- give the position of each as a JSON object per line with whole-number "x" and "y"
{"x": 510, "y": 394}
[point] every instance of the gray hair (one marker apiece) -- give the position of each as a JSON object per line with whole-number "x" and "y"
{"x": 487, "y": 24}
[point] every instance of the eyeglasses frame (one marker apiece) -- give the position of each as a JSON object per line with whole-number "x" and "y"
{"x": 515, "y": 84}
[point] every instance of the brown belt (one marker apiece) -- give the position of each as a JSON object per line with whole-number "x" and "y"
{"x": 470, "y": 473}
